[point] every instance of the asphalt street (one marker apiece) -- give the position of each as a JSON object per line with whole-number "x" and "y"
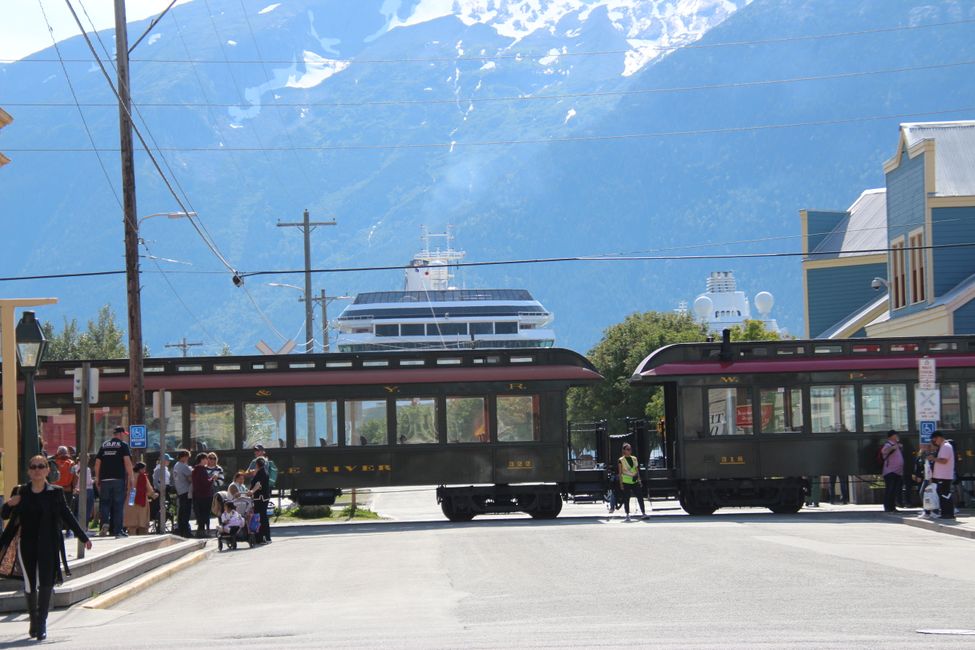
{"x": 843, "y": 579}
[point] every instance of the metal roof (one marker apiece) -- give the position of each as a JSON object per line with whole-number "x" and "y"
{"x": 954, "y": 153}
{"x": 862, "y": 232}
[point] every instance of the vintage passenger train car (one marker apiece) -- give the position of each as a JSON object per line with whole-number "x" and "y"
{"x": 745, "y": 423}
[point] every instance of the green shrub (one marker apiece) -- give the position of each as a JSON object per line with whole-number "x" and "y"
{"x": 312, "y": 512}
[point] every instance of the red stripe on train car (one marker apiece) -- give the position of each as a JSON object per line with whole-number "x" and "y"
{"x": 120, "y": 384}
{"x": 802, "y": 365}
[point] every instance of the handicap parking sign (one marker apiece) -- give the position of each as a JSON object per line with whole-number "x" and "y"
{"x": 927, "y": 430}
{"x": 137, "y": 436}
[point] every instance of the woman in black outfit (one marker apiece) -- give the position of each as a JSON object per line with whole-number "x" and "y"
{"x": 261, "y": 490}
{"x": 41, "y": 511}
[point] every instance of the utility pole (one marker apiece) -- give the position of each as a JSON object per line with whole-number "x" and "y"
{"x": 137, "y": 399}
{"x": 306, "y": 226}
{"x": 183, "y": 345}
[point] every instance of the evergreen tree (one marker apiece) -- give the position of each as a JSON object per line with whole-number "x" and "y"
{"x": 102, "y": 339}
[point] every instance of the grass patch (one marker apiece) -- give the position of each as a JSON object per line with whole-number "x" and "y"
{"x": 325, "y": 513}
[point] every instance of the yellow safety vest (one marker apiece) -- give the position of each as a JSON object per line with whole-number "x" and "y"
{"x": 631, "y": 469}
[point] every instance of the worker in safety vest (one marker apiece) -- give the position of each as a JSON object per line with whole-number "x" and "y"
{"x": 630, "y": 482}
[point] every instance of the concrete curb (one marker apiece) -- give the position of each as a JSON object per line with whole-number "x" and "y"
{"x": 120, "y": 593}
{"x": 937, "y": 527}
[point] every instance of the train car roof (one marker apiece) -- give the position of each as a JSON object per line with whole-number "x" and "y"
{"x": 341, "y": 369}
{"x": 793, "y": 356}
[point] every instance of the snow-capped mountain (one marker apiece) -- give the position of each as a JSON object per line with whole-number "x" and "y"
{"x": 537, "y": 128}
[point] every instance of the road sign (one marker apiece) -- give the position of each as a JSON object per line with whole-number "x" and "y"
{"x": 137, "y": 436}
{"x": 926, "y": 369}
{"x": 162, "y": 404}
{"x": 92, "y": 385}
{"x": 927, "y": 403}
{"x": 927, "y": 429}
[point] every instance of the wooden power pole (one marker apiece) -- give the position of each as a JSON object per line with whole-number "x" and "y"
{"x": 306, "y": 226}
{"x": 137, "y": 400}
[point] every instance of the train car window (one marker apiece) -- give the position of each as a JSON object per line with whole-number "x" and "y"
{"x": 264, "y": 424}
{"x": 211, "y": 426}
{"x": 104, "y": 421}
{"x": 828, "y": 349}
{"x": 174, "y": 429}
{"x": 365, "y": 422}
{"x": 884, "y": 407}
{"x": 153, "y": 369}
{"x": 56, "y": 428}
{"x": 412, "y": 362}
{"x": 790, "y": 350}
{"x": 730, "y": 412}
{"x": 950, "y": 407}
{"x": 195, "y": 367}
{"x": 903, "y": 347}
{"x": 781, "y": 410}
{"x": 943, "y": 346}
{"x": 970, "y": 389}
{"x": 833, "y": 408}
{"x": 692, "y": 411}
{"x": 866, "y": 348}
{"x": 300, "y": 365}
{"x": 518, "y": 418}
{"x": 467, "y": 419}
{"x": 317, "y": 424}
{"x": 225, "y": 367}
{"x": 338, "y": 364}
{"x": 416, "y": 421}
{"x": 119, "y": 371}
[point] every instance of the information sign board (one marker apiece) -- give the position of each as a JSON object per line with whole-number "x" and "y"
{"x": 138, "y": 436}
{"x": 926, "y": 370}
{"x": 927, "y": 429}
{"x": 927, "y": 403}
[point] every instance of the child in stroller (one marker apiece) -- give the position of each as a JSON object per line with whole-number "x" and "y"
{"x": 231, "y": 523}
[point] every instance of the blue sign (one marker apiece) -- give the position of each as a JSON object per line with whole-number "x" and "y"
{"x": 138, "y": 437}
{"x": 927, "y": 429}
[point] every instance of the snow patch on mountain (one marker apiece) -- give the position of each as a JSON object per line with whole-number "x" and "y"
{"x": 268, "y": 9}
{"x": 653, "y": 28}
{"x": 317, "y": 70}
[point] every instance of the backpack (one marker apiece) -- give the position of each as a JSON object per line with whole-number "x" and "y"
{"x": 254, "y": 525}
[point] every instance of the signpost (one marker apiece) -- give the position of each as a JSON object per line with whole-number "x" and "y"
{"x": 927, "y": 399}
{"x": 86, "y": 394}
{"x": 162, "y": 408}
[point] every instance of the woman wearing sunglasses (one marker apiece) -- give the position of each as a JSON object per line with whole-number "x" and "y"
{"x": 38, "y": 511}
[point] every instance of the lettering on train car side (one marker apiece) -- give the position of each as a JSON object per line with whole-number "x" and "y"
{"x": 294, "y": 470}
{"x": 391, "y": 389}
{"x": 263, "y": 393}
{"x": 730, "y": 380}
{"x": 521, "y": 464}
{"x": 857, "y": 375}
{"x": 516, "y": 387}
{"x": 351, "y": 469}
{"x": 732, "y": 460}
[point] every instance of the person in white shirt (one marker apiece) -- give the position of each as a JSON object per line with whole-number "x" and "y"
{"x": 230, "y": 523}
{"x": 943, "y": 474}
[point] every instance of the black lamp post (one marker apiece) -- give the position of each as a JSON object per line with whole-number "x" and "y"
{"x": 30, "y": 351}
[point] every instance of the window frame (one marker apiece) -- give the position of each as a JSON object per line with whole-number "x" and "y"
{"x": 918, "y": 258}
{"x": 897, "y": 288}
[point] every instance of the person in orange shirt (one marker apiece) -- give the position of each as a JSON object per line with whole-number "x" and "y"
{"x": 66, "y": 477}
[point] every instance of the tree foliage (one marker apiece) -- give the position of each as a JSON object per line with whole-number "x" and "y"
{"x": 621, "y": 350}
{"x": 101, "y": 339}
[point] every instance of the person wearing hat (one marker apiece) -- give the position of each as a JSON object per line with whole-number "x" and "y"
{"x": 272, "y": 469}
{"x": 113, "y": 478}
{"x": 943, "y": 474}
{"x": 65, "y": 467}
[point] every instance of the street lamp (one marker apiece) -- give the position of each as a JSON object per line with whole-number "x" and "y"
{"x": 168, "y": 215}
{"x": 30, "y": 351}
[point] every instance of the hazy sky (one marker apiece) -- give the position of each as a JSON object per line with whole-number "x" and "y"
{"x": 23, "y": 30}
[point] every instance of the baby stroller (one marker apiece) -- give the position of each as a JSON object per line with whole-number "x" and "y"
{"x": 244, "y": 507}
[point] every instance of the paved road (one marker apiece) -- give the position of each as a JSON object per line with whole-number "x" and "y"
{"x": 746, "y": 579}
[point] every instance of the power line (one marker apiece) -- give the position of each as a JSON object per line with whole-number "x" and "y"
{"x": 523, "y": 98}
{"x": 547, "y": 260}
{"x": 529, "y": 56}
{"x": 492, "y": 143}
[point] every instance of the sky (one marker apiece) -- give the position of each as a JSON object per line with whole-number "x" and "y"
{"x": 23, "y": 30}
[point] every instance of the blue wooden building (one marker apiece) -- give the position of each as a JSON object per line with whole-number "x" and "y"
{"x": 901, "y": 260}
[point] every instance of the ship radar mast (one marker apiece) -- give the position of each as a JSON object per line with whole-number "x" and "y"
{"x": 430, "y": 268}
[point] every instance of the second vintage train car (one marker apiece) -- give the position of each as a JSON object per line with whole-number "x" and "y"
{"x": 748, "y": 423}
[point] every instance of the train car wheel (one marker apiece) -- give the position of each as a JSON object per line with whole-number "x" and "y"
{"x": 787, "y": 508}
{"x": 696, "y": 509}
{"x": 452, "y": 513}
{"x": 547, "y": 508}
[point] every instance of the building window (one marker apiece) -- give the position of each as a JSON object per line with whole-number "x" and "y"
{"x": 898, "y": 274}
{"x": 918, "y": 257}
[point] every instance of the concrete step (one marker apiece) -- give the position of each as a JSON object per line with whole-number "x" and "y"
{"x": 98, "y": 574}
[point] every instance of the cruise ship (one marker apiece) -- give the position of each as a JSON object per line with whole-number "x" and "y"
{"x": 430, "y": 314}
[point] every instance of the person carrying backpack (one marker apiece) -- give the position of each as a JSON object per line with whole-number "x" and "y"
{"x": 272, "y": 469}
{"x": 893, "y": 470}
